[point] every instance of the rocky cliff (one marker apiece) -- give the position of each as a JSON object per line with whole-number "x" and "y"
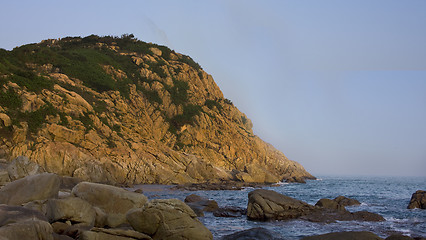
{"x": 119, "y": 110}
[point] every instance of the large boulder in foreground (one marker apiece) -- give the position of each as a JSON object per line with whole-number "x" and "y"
{"x": 269, "y": 205}
{"x": 30, "y": 188}
{"x": 418, "y": 200}
{"x": 13, "y": 214}
{"x": 252, "y": 233}
{"x": 345, "y": 236}
{"x": 168, "y": 219}
{"x": 114, "y": 201}
{"x": 29, "y": 229}
{"x": 17, "y": 223}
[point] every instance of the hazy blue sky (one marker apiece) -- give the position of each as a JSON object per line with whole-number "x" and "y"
{"x": 339, "y": 86}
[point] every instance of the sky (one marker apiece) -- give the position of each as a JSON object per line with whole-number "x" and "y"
{"x": 338, "y": 86}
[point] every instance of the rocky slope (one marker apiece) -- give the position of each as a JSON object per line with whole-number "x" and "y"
{"x": 118, "y": 110}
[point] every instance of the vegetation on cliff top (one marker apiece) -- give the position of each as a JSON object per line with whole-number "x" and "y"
{"x": 84, "y": 59}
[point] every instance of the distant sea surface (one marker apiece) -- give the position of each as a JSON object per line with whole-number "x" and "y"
{"x": 387, "y": 196}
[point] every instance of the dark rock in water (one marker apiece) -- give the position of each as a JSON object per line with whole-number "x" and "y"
{"x": 331, "y": 215}
{"x": 252, "y": 234}
{"x": 367, "y": 216}
{"x": 328, "y": 203}
{"x": 269, "y": 205}
{"x": 418, "y": 200}
{"x": 139, "y": 190}
{"x": 13, "y": 214}
{"x": 296, "y": 180}
{"x": 344, "y": 201}
{"x": 230, "y": 211}
{"x": 198, "y": 209}
{"x": 208, "y": 205}
{"x": 200, "y": 204}
{"x": 21, "y": 167}
{"x": 345, "y": 236}
{"x": 399, "y": 237}
{"x": 34, "y": 187}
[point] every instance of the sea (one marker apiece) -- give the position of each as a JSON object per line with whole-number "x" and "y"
{"x": 387, "y": 196}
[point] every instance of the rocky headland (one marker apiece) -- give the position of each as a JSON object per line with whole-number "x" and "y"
{"x": 121, "y": 111}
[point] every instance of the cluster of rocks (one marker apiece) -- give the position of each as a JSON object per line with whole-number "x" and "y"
{"x": 37, "y": 207}
{"x": 266, "y": 205}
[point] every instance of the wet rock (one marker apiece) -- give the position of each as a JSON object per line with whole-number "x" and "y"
{"x": 206, "y": 204}
{"x": 168, "y": 219}
{"x": 30, "y": 188}
{"x": 345, "y": 236}
{"x": 269, "y": 205}
{"x": 253, "y": 233}
{"x": 73, "y": 209}
{"x": 230, "y": 211}
{"x": 28, "y": 229}
{"x": 418, "y": 200}
{"x": 296, "y": 180}
{"x": 344, "y": 201}
{"x": 331, "y": 215}
{"x": 21, "y": 167}
{"x": 328, "y": 203}
{"x": 114, "y": 201}
{"x": 367, "y": 216}
{"x": 198, "y": 209}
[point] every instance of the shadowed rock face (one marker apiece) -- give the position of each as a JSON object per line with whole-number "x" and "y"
{"x": 123, "y": 111}
{"x": 418, "y": 200}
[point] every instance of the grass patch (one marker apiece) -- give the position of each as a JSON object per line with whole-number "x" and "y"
{"x": 10, "y": 99}
{"x": 213, "y": 103}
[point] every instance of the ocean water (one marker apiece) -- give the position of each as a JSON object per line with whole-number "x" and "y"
{"x": 387, "y": 196}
